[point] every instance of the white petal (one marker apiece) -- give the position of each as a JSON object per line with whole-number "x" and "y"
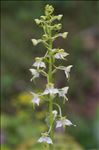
{"x": 67, "y": 74}
{"x": 50, "y": 91}
{"x": 48, "y": 140}
{"x": 46, "y": 91}
{"x": 36, "y": 100}
{"x": 34, "y": 73}
{"x": 42, "y": 64}
{"x": 36, "y": 64}
{"x": 45, "y": 140}
{"x": 68, "y": 68}
{"x": 55, "y": 91}
{"x": 58, "y": 56}
{"x": 39, "y": 64}
{"x": 59, "y": 124}
{"x": 61, "y": 94}
{"x": 68, "y": 122}
{"x": 61, "y": 55}
{"x": 65, "y": 89}
{"x": 40, "y": 139}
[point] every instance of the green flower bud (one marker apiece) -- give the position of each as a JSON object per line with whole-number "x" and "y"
{"x": 64, "y": 35}
{"x": 49, "y": 9}
{"x": 35, "y": 42}
{"x": 57, "y": 26}
{"x": 43, "y": 17}
{"x": 59, "y": 17}
{"x": 45, "y": 37}
{"x": 37, "y": 21}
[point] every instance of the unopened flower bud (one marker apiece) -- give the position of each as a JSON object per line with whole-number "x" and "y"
{"x": 43, "y": 17}
{"x": 49, "y": 9}
{"x": 59, "y": 17}
{"x": 45, "y": 37}
{"x": 57, "y": 26}
{"x": 35, "y": 42}
{"x": 64, "y": 35}
{"x": 37, "y": 21}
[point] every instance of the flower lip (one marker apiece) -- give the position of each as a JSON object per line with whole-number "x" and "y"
{"x": 35, "y": 99}
{"x": 61, "y": 54}
{"x": 63, "y": 122}
{"x": 45, "y": 139}
{"x": 35, "y": 73}
{"x": 39, "y": 63}
{"x": 66, "y": 69}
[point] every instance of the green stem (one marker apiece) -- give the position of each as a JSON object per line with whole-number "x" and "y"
{"x": 60, "y": 112}
{"x": 50, "y": 79}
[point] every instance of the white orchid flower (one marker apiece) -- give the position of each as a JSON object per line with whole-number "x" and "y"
{"x": 61, "y": 54}
{"x": 66, "y": 69}
{"x": 35, "y": 73}
{"x": 39, "y": 63}
{"x": 45, "y": 139}
{"x": 50, "y": 90}
{"x": 63, "y": 122}
{"x": 63, "y": 92}
{"x": 36, "y": 99}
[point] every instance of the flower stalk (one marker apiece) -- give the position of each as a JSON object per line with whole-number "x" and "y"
{"x": 47, "y": 67}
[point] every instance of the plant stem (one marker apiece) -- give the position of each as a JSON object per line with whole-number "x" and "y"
{"x": 51, "y": 98}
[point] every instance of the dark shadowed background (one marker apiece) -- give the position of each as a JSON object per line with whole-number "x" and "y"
{"x": 21, "y": 125}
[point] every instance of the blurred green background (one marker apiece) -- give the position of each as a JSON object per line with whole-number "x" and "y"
{"x": 20, "y": 124}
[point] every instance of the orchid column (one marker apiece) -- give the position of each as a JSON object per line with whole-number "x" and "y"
{"x": 46, "y": 66}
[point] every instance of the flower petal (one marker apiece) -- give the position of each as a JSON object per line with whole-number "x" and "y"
{"x": 67, "y": 71}
{"x": 41, "y": 139}
{"x": 45, "y": 139}
{"x": 48, "y": 140}
{"x": 68, "y": 122}
{"x": 59, "y": 124}
{"x": 36, "y": 100}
